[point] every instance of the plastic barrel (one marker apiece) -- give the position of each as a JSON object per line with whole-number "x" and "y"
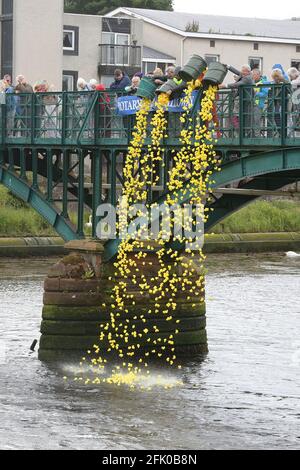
{"x": 172, "y": 89}
{"x": 193, "y": 69}
{"x": 216, "y": 74}
{"x": 147, "y": 89}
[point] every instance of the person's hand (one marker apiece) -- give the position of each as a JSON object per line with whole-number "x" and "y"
{"x": 222, "y": 86}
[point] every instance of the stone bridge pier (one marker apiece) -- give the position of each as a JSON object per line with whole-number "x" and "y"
{"x": 78, "y": 297}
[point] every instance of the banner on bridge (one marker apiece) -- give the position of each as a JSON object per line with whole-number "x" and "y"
{"x": 130, "y": 105}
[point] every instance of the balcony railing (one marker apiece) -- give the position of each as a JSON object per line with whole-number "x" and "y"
{"x": 120, "y": 55}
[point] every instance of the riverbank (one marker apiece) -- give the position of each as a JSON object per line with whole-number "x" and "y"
{"x": 23, "y": 247}
{"x": 264, "y": 226}
{"x": 263, "y": 216}
{"x": 214, "y": 243}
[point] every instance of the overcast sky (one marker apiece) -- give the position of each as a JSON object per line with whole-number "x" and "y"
{"x": 262, "y": 9}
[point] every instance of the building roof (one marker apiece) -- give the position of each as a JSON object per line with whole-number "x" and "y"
{"x": 219, "y": 25}
{"x": 150, "y": 54}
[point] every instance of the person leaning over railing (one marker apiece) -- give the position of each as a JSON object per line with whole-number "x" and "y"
{"x": 52, "y": 108}
{"x": 158, "y": 77}
{"x": 130, "y": 121}
{"x": 120, "y": 82}
{"x": 132, "y": 89}
{"x": 174, "y": 118}
{"x": 243, "y": 77}
{"x": 78, "y": 107}
{"x": 22, "y": 85}
{"x": 105, "y": 112}
{"x": 260, "y": 100}
{"x": 278, "y": 94}
{"x": 10, "y": 101}
{"x": 39, "y": 88}
{"x": 294, "y": 76}
{"x": 23, "y": 109}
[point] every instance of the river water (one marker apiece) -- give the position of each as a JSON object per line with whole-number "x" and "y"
{"x": 244, "y": 395}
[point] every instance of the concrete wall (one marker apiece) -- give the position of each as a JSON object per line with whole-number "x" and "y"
{"x": 163, "y": 41}
{"x": 38, "y": 40}
{"x": 90, "y": 30}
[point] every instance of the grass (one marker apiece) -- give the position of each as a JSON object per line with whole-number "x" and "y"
{"x": 263, "y": 217}
{"x": 19, "y": 220}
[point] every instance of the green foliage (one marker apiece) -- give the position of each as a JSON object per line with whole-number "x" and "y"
{"x": 101, "y": 7}
{"x": 7, "y": 199}
{"x": 263, "y": 217}
{"x": 88, "y": 275}
{"x": 17, "y": 219}
{"x": 23, "y": 223}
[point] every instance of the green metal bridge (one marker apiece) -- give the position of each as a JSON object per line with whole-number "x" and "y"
{"x": 63, "y": 153}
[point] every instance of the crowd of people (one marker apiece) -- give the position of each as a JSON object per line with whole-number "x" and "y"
{"x": 266, "y": 108}
{"x": 122, "y": 82}
{"x": 261, "y": 95}
{"x": 262, "y": 109}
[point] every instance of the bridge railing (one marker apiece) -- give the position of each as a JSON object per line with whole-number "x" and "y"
{"x": 261, "y": 115}
{"x": 265, "y": 115}
{"x": 46, "y": 118}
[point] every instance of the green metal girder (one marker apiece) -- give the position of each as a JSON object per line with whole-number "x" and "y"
{"x": 229, "y": 203}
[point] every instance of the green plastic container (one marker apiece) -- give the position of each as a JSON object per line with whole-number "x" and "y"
{"x": 216, "y": 74}
{"x": 193, "y": 69}
{"x": 171, "y": 88}
{"x": 147, "y": 88}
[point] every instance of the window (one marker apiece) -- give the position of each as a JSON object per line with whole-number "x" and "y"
{"x": 116, "y": 25}
{"x": 212, "y": 58}
{"x": 149, "y": 66}
{"x": 69, "y": 80}
{"x": 107, "y": 80}
{"x": 295, "y": 63}
{"x": 115, "y": 49}
{"x": 297, "y": 48}
{"x": 212, "y": 43}
{"x": 256, "y": 63}
{"x": 256, "y": 46}
{"x": 71, "y": 40}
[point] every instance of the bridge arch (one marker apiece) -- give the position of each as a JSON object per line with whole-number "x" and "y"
{"x": 266, "y": 171}
{"x": 269, "y": 170}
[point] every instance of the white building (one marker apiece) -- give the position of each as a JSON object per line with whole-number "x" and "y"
{"x": 40, "y": 41}
{"x": 231, "y": 40}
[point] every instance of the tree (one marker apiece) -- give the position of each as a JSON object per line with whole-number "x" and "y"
{"x": 101, "y": 7}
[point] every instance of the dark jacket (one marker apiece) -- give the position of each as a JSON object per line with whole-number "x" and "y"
{"x": 23, "y": 88}
{"x": 235, "y": 87}
{"x": 242, "y": 81}
{"x": 120, "y": 85}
